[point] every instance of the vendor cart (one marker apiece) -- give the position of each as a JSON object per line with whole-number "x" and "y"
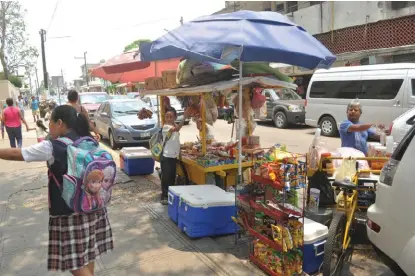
{"x": 192, "y": 169}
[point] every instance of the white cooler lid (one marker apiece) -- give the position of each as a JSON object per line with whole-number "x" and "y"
{"x": 179, "y": 190}
{"x": 136, "y": 153}
{"x": 314, "y": 231}
{"x": 209, "y": 196}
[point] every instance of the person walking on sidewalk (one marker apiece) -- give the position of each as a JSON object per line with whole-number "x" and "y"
{"x": 35, "y": 109}
{"x": 73, "y": 100}
{"x": 75, "y": 240}
{"x": 20, "y": 105}
{"x": 12, "y": 118}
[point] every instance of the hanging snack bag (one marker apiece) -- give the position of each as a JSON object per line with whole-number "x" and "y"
{"x": 277, "y": 235}
{"x": 287, "y": 237}
{"x": 275, "y": 262}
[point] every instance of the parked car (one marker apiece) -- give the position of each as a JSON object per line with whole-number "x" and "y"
{"x": 384, "y": 90}
{"x": 401, "y": 125}
{"x": 113, "y": 97}
{"x": 151, "y": 101}
{"x": 390, "y": 225}
{"x": 91, "y": 101}
{"x": 133, "y": 95}
{"x": 284, "y": 107}
{"x": 117, "y": 120}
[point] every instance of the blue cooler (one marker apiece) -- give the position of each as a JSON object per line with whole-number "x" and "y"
{"x": 136, "y": 161}
{"x": 315, "y": 236}
{"x": 207, "y": 212}
{"x": 174, "y": 195}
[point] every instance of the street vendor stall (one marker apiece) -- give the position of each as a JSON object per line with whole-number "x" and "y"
{"x": 206, "y": 157}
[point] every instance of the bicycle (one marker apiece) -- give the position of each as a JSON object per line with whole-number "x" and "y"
{"x": 339, "y": 238}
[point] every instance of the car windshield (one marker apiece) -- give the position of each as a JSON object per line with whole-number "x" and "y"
{"x": 284, "y": 94}
{"x": 93, "y": 98}
{"x": 125, "y": 108}
{"x": 173, "y": 101}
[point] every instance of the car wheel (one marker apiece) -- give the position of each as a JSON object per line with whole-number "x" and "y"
{"x": 280, "y": 120}
{"x": 113, "y": 144}
{"x": 328, "y": 126}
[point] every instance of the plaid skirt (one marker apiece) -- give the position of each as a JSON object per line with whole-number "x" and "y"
{"x": 76, "y": 240}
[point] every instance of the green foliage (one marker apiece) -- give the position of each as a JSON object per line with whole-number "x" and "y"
{"x": 16, "y": 81}
{"x": 135, "y": 44}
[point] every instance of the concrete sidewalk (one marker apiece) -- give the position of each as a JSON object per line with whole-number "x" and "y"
{"x": 146, "y": 241}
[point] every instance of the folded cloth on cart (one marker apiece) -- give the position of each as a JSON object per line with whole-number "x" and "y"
{"x": 346, "y": 152}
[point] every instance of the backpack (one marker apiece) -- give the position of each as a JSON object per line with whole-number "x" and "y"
{"x": 87, "y": 185}
{"x": 320, "y": 181}
{"x": 157, "y": 144}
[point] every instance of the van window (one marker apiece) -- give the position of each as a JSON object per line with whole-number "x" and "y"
{"x": 403, "y": 145}
{"x": 413, "y": 87}
{"x": 380, "y": 89}
{"x": 336, "y": 89}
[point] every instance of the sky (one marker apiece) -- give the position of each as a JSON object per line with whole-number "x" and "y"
{"x": 102, "y": 28}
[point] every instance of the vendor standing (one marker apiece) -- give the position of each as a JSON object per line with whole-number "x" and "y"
{"x": 353, "y": 133}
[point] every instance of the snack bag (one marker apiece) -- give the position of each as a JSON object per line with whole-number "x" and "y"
{"x": 296, "y": 229}
{"x": 298, "y": 264}
{"x": 275, "y": 262}
{"x": 289, "y": 267}
{"x": 277, "y": 235}
{"x": 287, "y": 237}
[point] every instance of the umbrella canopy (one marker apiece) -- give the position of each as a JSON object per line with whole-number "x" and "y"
{"x": 153, "y": 69}
{"x": 247, "y": 35}
{"x": 124, "y": 62}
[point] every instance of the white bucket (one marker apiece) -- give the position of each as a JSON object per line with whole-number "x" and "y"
{"x": 314, "y": 199}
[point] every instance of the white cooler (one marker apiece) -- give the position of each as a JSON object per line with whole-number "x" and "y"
{"x": 315, "y": 236}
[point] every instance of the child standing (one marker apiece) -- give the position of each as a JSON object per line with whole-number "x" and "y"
{"x": 171, "y": 151}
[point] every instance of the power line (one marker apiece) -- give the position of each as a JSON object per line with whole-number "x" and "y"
{"x": 53, "y": 14}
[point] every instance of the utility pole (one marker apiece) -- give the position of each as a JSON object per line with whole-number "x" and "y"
{"x": 86, "y": 69}
{"x": 45, "y": 72}
{"x": 181, "y": 20}
{"x": 37, "y": 83}
{"x": 63, "y": 85}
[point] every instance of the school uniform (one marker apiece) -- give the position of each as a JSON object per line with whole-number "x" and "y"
{"x": 168, "y": 162}
{"x": 75, "y": 240}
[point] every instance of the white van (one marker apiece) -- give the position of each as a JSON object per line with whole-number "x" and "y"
{"x": 401, "y": 125}
{"x": 385, "y": 92}
{"x": 391, "y": 224}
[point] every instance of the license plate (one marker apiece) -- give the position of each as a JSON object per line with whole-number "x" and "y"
{"x": 144, "y": 135}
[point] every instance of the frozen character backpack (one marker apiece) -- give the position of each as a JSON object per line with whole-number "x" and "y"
{"x": 87, "y": 185}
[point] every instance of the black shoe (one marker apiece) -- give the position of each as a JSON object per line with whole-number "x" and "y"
{"x": 164, "y": 202}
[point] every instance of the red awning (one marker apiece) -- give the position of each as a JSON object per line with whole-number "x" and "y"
{"x": 127, "y": 68}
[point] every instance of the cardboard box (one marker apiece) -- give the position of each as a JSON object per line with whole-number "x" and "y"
{"x": 154, "y": 83}
{"x": 253, "y": 140}
{"x": 169, "y": 78}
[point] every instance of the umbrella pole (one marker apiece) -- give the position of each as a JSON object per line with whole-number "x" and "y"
{"x": 239, "y": 179}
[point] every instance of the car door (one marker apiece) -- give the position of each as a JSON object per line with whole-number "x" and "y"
{"x": 106, "y": 118}
{"x": 98, "y": 123}
{"x": 269, "y": 102}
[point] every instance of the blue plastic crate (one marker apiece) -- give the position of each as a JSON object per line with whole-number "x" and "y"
{"x": 137, "y": 161}
{"x": 205, "y": 213}
{"x": 315, "y": 236}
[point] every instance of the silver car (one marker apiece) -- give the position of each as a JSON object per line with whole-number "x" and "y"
{"x": 151, "y": 101}
{"x": 117, "y": 120}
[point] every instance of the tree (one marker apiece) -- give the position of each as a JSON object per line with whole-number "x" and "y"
{"x": 135, "y": 44}
{"x": 14, "y": 49}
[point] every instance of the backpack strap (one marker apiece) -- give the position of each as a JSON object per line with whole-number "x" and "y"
{"x": 168, "y": 135}
{"x": 85, "y": 138}
{"x": 65, "y": 140}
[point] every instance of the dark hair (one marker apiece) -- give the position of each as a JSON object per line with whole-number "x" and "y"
{"x": 73, "y": 96}
{"x": 9, "y": 101}
{"x": 72, "y": 119}
{"x": 172, "y": 110}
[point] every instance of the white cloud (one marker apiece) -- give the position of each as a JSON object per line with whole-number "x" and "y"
{"x": 103, "y": 28}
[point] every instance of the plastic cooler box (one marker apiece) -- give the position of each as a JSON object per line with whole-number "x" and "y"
{"x": 174, "y": 198}
{"x": 315, "y": 236}
{"x": 207, "y": 212}
{"x": 136, "y": 161}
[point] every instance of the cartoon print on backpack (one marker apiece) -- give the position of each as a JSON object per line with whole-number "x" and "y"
{"x": 109, "y": 179}
{"x": 97, "y": 186}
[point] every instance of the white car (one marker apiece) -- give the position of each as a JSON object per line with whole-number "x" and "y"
{"x": 401, "y": 125}
{"x": 391, "y": 223}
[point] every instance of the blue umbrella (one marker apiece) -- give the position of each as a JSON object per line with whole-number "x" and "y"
{"x": 247, "y": 35}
